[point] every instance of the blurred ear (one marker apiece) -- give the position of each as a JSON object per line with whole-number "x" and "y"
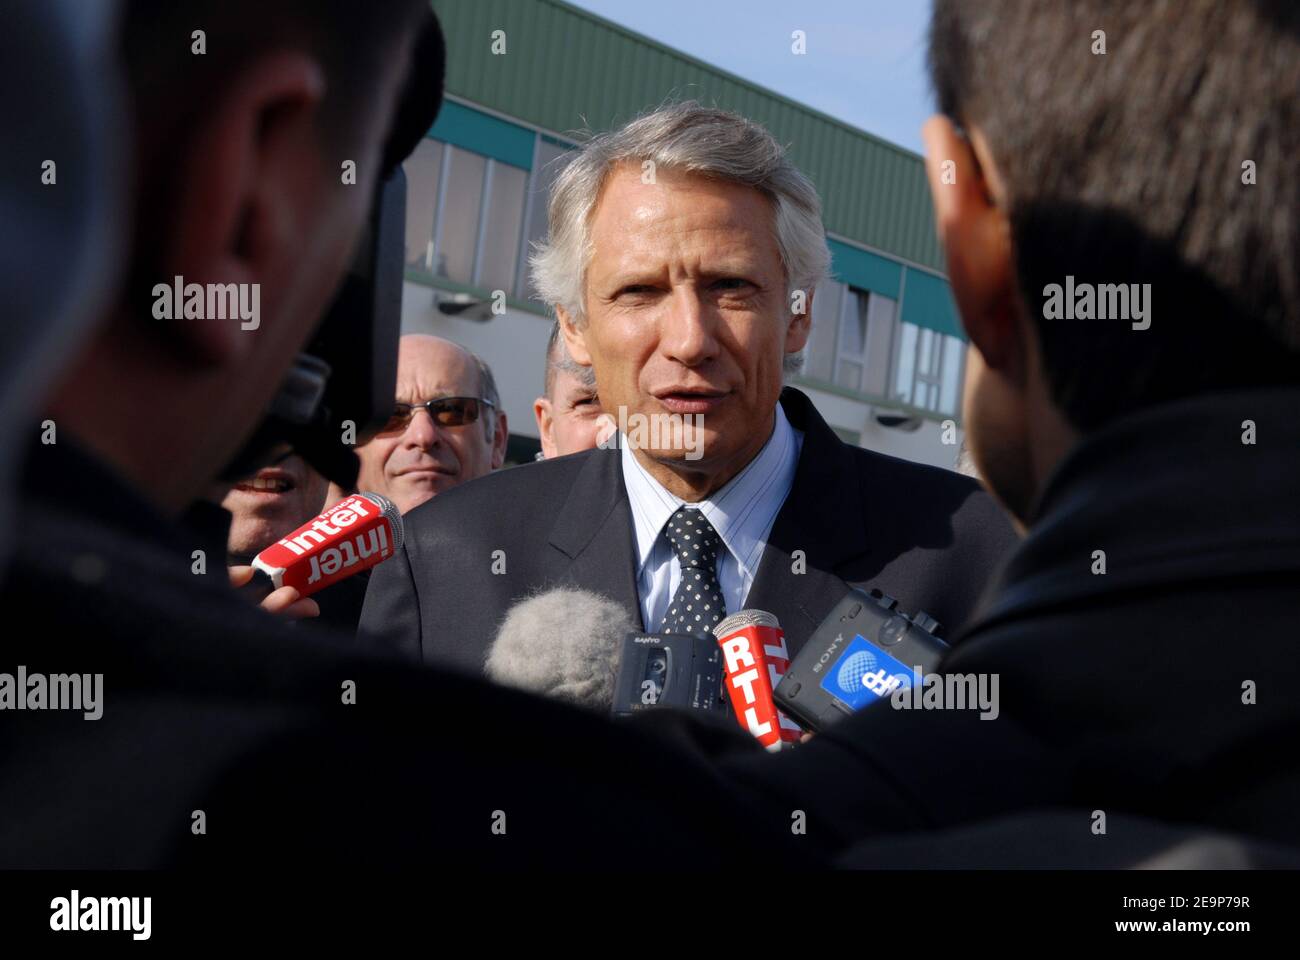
{"x": 499, "y": 440}
{"x": 573, "y": 337}
{"x": 241, "y": 195}
{"x": 976, "y": 238}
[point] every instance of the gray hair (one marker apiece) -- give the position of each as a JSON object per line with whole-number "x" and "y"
{"x": 692, "y": 138}
{"x": 559, "y": 361}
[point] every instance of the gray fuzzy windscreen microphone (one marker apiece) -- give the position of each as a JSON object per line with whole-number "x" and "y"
{"x": 563, "y": 643}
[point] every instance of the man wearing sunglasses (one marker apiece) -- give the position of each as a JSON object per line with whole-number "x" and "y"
{"x": 447, "y": 425}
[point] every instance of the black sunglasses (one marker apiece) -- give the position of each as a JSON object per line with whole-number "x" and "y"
{"x": 445, "y": 411}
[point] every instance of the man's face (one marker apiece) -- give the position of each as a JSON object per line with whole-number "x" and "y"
{"x": 1005, "y": 394}
{"x": 275, "y": 501}
{"x": 414, "y": 464}
{"x": 569, "y": 420}
{"x": 687, "y": 312}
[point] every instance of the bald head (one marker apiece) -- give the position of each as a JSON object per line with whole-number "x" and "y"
{"x": 421, "y": 456}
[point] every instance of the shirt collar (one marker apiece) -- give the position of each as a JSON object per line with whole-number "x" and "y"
{"x": 742, "y": 511}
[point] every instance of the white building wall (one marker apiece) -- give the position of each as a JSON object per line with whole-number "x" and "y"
{"x": 925, "y": 444}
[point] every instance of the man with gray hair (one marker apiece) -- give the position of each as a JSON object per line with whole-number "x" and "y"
{"x": 683, "y": 255}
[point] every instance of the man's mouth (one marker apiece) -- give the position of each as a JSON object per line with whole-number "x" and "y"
{"x": 267, "y": 483}
{"x": 691, "y": 400}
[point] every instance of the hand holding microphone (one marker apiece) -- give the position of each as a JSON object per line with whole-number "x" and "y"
{"x": 353, "y": 535}
{"x": 284, "y": 602}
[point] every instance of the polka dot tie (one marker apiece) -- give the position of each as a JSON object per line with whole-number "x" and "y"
{"x": 697, "y": 605}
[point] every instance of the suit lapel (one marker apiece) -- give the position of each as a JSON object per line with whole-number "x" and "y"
{"x": 823, "y": 518}
{"x": 594, "y": 531}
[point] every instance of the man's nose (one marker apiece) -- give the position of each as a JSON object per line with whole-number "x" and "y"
{"x": 422, "y": 431}
{"x": 687, "y": 330}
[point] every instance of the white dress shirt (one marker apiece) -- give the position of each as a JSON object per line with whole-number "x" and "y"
{"x": 742, "y": 512}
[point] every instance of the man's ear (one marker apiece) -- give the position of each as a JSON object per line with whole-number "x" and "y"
{"x": 545, "y": 422}
{"x": 239, "y": 193}
{"x": 976, "y": 238}
{"x": 574, "y": 340}
{"x": 800, "y": 325}
{"x": 499, "y": 440}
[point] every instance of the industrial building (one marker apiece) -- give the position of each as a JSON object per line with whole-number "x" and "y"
{"x": 525, "y": 77}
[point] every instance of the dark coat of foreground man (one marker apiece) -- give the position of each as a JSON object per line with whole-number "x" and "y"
{"x": 1164, "y": 687}
{"x": 211, "y": 705}
{"x": 928, "y": 537}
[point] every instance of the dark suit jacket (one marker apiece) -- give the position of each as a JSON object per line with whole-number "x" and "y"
{"x": 1164, "y": 687}
{"x": 929, "y": 537}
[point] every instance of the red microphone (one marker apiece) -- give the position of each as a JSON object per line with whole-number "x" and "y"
{"x": 353, "y": 535}
{"x": 755, "y": 658}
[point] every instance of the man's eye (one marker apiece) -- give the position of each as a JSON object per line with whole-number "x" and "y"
{"x": 585, "y": 401}
{"x": 731, "y": 283}
{"x": 635, "y": 289}
{"x": 397, "y": 420}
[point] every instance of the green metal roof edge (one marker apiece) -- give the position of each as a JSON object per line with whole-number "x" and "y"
{"x": 873, "y": 189}
{"x": 734, "y": 78}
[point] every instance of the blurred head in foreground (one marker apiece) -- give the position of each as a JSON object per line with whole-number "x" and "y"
{"x": 238, "y": 152}
{"x": 1118, "y": 212}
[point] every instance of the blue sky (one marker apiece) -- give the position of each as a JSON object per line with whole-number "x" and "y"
{"x": 865, "y": 60}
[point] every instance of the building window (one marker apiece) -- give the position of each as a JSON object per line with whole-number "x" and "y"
{"x": 547, "y": 164}
{"x": 458, "y": 216}
{"x": 422, "y": 170}
{"x": 464, "y": 215}
{"x": 849, "y": 343}
{"x": 503, "y": 217}
{"x": 851, "y": 351}
{"x": 819, "y": 355}
{"x": 954, "y": 366}
{"x": 927, "y": 369}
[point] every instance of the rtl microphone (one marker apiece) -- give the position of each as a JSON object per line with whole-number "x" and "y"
{"x": 755, "y": 658}
{"x": 563, "y": 643}
{"x": 353, "y": 535}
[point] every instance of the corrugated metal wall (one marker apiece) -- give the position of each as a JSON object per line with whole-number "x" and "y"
{"x": 566, "y": 70}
